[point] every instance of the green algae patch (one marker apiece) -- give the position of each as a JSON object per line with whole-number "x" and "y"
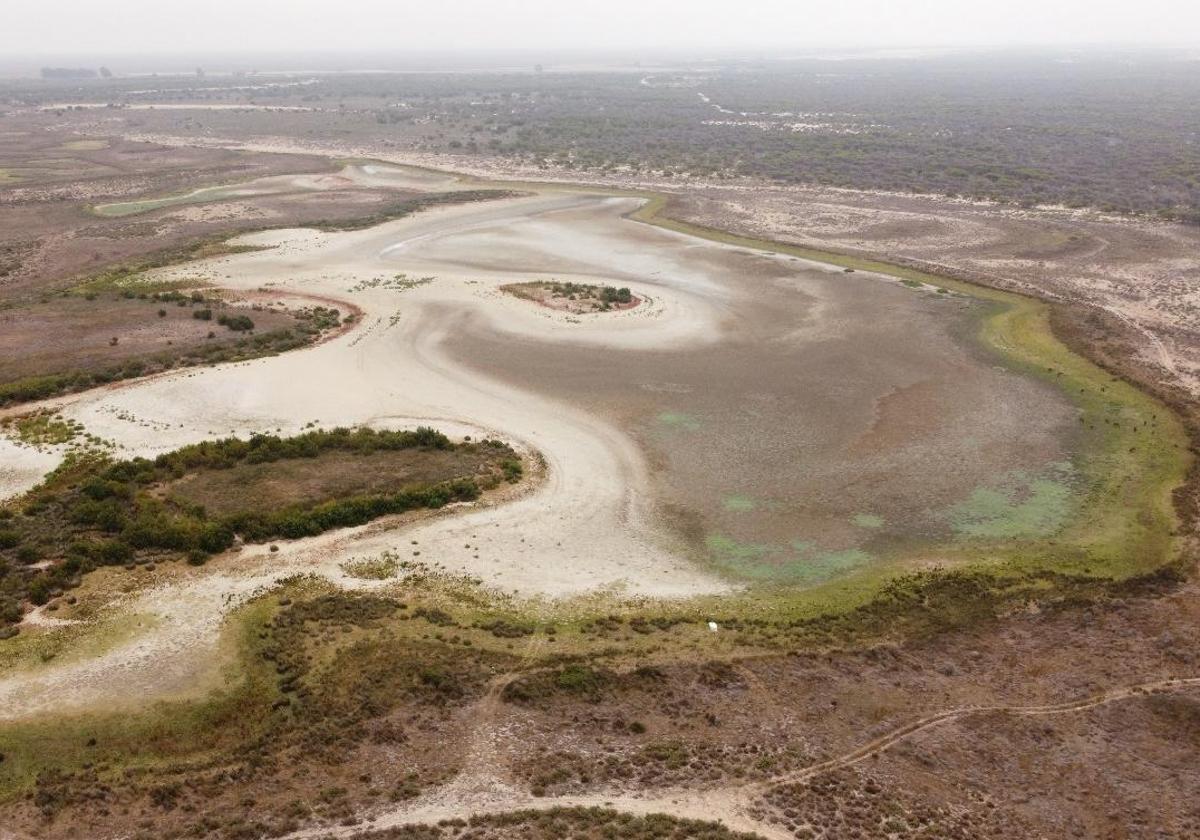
{"x": 1116, "y": 517}
{"x": 830, "y": 564}
{"x": 737, "y": 503}
{"x": 868, "y": 520}
{"x": 737, "y": 557}
{"x": 679, "y": 420}
{"x": 995, "y": 514}
{"x": 797, "y": 564}
{"x": 1020, "y": 507}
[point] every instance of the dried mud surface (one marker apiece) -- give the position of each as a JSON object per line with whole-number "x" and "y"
{"x": 1073, "y": 721}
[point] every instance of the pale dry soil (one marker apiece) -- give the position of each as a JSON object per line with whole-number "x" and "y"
{"x": 438, "y": 344}
{"x": 1143, "y": 272}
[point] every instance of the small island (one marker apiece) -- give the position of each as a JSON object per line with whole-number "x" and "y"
{"x": 576, "y": 298}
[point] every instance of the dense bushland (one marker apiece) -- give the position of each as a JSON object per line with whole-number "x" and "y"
{"x": 95, "y": 512}
{"x": 1111, "y": 131}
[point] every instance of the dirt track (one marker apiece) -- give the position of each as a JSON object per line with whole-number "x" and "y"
{"x": 484, "y": 791}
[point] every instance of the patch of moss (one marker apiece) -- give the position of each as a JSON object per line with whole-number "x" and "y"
{"x": 737, "y": 503}
{"x": 679, "y": 420}
{"x": 1018, "y": 508}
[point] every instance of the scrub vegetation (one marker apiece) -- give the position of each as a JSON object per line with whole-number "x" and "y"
{"x": 565, "y": 824}
{"x": 330, "y": 683}
{"x": 573, "y": 297}
{"x": 94, "y": 511}
{"x": 1058, "y": 619}
{"x": 1108, "y": 130}
{"x": 117, "y": 326}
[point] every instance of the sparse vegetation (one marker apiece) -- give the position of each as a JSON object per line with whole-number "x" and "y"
{"x": 42, "y": 428}
{"x": 573, "y": 297}
{"x": 408, "y": 206}
{"x": 564, "y": 824}
{"x": 303, "y": 327}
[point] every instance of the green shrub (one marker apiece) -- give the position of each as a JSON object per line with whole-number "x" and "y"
{"x": 513, "y": 469}
{"x": 611, "y": 295}
{"x": 96, "y": 512}
{"x": 39, "y": 590}
{"x": 112, "y": 553}
{"x": 578, "y": 678}
{"x": 237, "y": 323}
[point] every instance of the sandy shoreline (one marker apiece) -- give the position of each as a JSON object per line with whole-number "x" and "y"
{"x": 586, "y": 528}
{"x": 594, "y": 524}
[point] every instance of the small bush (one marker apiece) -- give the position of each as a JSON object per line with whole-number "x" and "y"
{"x": 237, "y": 323}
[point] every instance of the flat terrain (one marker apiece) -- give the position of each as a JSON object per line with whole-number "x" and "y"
{"x": 836, "y": 472}
{"x": 738, "y": 347}
{"x": 79, "y": 207}
{"x": 1111, "y": 129}
{"x": 781, "y": 444}
{"x": 811, "y": 545}
{"x": 1140, "y": 279}
{"x": 32, "y": 343}
{"x": 308, "y": 481}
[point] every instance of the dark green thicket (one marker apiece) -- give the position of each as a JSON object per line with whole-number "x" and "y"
{"x": 237, "y": 323}
{"x": 93, "y": 512}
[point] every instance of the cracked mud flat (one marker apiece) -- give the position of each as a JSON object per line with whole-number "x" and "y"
{"x": 439, "y": 344}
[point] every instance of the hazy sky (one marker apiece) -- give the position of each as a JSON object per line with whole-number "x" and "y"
{"x": 100, "y": 27}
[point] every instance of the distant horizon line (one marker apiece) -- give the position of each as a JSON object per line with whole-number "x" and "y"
{"x": 724, "y": 50}
{"x": 292, "y": 62}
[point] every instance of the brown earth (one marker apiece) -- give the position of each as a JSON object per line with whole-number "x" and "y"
{"x": 1127, "y": 290}
{"x": 50, "y": 237}
{"x": 1121, "y": 769}
{"x": 278, "y": 485}
{"x": 73, "y": 333}
{"x": 995, "y": 756}
{"x": 1142, "y": 272}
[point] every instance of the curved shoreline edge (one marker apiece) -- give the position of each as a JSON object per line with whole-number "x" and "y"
{"x": 1127, "y": 524}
